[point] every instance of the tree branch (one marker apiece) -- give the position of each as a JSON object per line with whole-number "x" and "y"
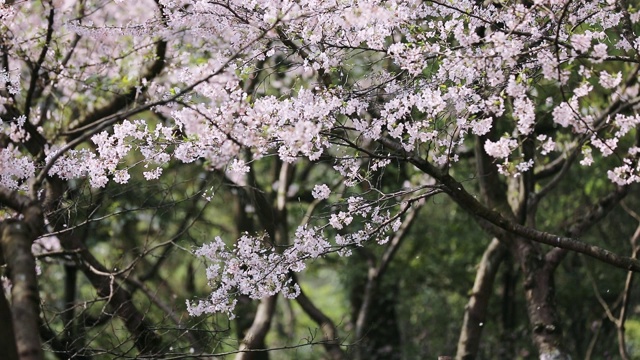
{"x": 328, "y": 328}
{"x": 145, "y": 339}
{"x": 470, "y": 204}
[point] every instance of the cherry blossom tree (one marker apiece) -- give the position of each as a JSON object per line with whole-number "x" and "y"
{"x": 337, "y": 95}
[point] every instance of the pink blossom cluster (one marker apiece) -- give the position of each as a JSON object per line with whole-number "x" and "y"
{"x": 255, "y": 267}
{"x": 15, "y": 168}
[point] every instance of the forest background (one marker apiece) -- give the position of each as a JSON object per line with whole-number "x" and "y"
{"x": 319, "y": 179}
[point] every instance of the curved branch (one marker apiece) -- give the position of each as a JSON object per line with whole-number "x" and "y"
{"x": 123, "y": 101}
{"x": 146, "y": 339}
{"x": 470, "y": 204}
{"x": 33, "y": 83}
{"x": 328, "y": 328}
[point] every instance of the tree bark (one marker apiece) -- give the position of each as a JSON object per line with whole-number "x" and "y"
{"x": 493, "y": 192}
{"x": 7, "y": 337}
{"x": 476, "y": 310}
{"x": 539, "y": 290}
{"x": 254, "y": 338}
{"x": 381, "y": 339}
{"x": 16, "y": 239}
{"x": 68, "y": 316}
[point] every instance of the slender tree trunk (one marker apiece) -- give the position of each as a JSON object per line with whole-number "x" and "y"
{"x": 272, "y": 214}
{"x": 254, "y": 338}
{"x": 329, "y": 332}
{"x": 377, "y": 336}
{"x": 380, "y": 336}
{"x": 493, "y": 192}
{"x": 245, "y": 314}
{"x": 507, "y": 350}
{"x": 381, "y": 339}
{"x": 68, "y": 316}
{"x": 476, "y": 310}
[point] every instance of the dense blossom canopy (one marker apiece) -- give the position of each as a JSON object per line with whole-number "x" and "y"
{"x": 367, "y": 83}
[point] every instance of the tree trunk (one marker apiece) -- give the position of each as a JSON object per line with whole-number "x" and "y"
{"x": 7, "y": 338}
{"x": 476, "y": 310}
{"x": 16, "y": 242}
{"x": 378, "y": 337}
{"x": 508, "y": 336}
{"x": 254, "y": 338}
{"x": 539, "y": 290}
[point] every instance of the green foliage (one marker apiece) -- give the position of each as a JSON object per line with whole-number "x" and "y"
{"x": 632, "y": 337}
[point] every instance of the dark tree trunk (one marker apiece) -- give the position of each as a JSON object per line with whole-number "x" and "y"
{"x": 508, "y": 337}
{"x": 16, "y": 239}
{"x": 382, "y": 339}
{"x": 7, "y": 337}
{"x": 539, "y": 290}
